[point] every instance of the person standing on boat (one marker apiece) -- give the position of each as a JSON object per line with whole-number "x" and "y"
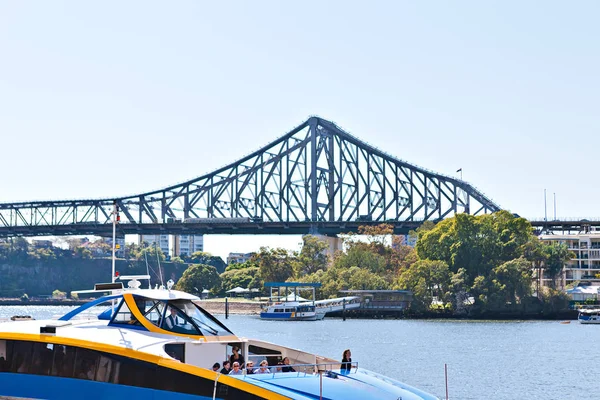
{"x": 236, "y": 356}
{"x": 346, "y": 361}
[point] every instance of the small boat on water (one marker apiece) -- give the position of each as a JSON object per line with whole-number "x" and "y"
{"x": 291, "y": 307}
{"x": 160, "y": 344}
{"x": 589, "y": 316}
{"x": 292, "y": 311}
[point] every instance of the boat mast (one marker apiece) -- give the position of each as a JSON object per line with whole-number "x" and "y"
{"x": 114, "y": 241}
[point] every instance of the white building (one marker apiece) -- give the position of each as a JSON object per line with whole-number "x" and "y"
{"x": 586, "y": 263}
{"x": 162, "y": 241}
{"x": 238, "y": 258}
{"x": 186, "y": 245}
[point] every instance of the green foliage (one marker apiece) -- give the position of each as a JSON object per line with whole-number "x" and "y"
{"x": 426, "y": 279}
{"x": 359, "y": 255}
{"x": 202, "y": 257}
{"x": 238, "y": 277}
{"x": 57, "y": 294}
{"x": 177, "y": 260}
{"x": 197, "y": 278}
{"x": 275, "y": 265}
{"x": 555, "y": 256}
{"x": 312, "y": 257}
{"x": 244, "y": 265}
{"x": 513, "y": 280}
{"x": 476, "y": 243}
{"x": 75, "y": 296}
{"x": 554, "y": 301}
{"x": 345, "y": 278}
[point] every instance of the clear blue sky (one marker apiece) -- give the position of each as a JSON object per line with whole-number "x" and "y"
{"x": 115, "y": 98}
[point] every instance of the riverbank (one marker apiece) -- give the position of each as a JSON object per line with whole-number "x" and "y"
{"x": 235, "y": 307}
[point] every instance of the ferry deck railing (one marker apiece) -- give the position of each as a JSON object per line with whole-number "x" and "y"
{"x": 303, "y": 369}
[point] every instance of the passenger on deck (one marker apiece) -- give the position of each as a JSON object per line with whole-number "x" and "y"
{"x": 346, "y": 361}
{"x": 277, "y": 368}
{"x": 286, "y": 367}
{"x": 263, "y": 368}
{"x": 226, "y": 367}
{"x": 216, "y": 367}
{"x": 249, "y": 368}
{"x": 236, "y": 356}
{"x": 236, "y": 370}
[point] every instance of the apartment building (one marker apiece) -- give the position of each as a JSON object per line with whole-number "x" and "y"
{"x": 120, "y": 250}
{"x": 238, "y": 258}
{"x": 186, "y": 245}
{"x": 586, "y": 263}
{"x": 162, "y": 242}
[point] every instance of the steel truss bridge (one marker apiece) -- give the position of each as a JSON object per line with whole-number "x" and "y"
{"x": 316, "y": 178}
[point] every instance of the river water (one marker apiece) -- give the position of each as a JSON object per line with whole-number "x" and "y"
{"x": 486, "y": 359}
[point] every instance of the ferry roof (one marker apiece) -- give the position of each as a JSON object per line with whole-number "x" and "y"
{"x": 96, "y": 333}
{"x": 292, "y": 284}
{"x": 162, "y": 294}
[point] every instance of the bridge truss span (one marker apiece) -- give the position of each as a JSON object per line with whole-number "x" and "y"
{"x": 315, "y": 174}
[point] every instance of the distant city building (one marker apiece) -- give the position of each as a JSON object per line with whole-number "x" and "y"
{"x": 239, "y": 258}
{"x": 41, "y": 243}
{"x": 120, "y": 251}
{"x": 406, "y": 240}
{"x": 162, "y": 242}
{"x": 186, "y": 245}
{"x": 586, "y": 263}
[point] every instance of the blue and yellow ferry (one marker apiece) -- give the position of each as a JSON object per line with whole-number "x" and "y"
{"x": 159, "y": 344}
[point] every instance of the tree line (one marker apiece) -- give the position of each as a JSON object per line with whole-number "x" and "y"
{"x": 464, "y": 265}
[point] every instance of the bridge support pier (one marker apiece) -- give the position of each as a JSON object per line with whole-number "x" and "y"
{"x": 334, "y": 242}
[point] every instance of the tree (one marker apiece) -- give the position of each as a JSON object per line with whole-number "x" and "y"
{"x": 514, "y": 280}
{"x": 202, "y": 257}
{"x": 338, "y": 278}
{"x": 361, "y": 255}
{"x": 476, "y": 243}
{"x": 244, "y": 265}
{"x": 555, "y": 256}
{"x": 426, "y": 279}
{"x": 238, "y": 277}
{"x": 275, "y": 265}
{"x": 197, "y": 278}
{"x": 312, "y": 257}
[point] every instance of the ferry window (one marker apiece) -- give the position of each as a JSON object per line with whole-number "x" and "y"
{"x": 3, "y": 356}
{"x": 136, "y": 373}
{"x": 86, "y": 364}
{"x": 177, "y": 321}
{"x": 105, "y": 369}
{"x": 42, "y": 359}
{"x": 208, "y": 324}
{"x": 21, "y": 357}
{"x": 154, "y": 311}
{"x": 176, "y": 350}
{"x": 124, "y": 315}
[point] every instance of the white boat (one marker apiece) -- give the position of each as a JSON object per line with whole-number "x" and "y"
{"x": 292, "y": 311}
{"x": 291, "y": 307}
{"x": 589, "y": 316}
{"x": 159, "y": 344}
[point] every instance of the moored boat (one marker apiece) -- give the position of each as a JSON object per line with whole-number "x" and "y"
{"x": 589, "y": 316}
{"x": 158, "y": 343}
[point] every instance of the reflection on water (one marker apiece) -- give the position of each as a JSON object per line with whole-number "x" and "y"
{"x": 486, "y": 360}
